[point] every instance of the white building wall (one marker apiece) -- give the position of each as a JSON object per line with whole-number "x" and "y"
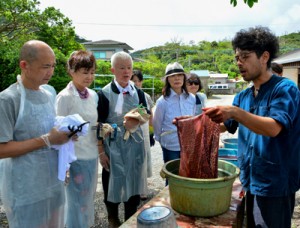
{"x": 291, "y": 73}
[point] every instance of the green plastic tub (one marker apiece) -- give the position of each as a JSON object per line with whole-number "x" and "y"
{"x": 200, "y": 197}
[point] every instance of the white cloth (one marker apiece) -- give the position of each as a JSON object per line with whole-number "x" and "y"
{"x": 130, "y": 89}
{"x": 68, "y": 102}
{"x": 66, "y": 153}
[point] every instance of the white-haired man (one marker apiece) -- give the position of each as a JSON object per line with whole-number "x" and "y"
{"x": 124, "y": 175}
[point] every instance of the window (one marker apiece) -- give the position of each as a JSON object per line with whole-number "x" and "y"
{"x": 218, "y": 86}
{"x": 100, "y": 54}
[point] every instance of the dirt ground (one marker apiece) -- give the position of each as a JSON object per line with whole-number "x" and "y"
{"x": 155, "y": 184}
{"x": 296, "y": 216}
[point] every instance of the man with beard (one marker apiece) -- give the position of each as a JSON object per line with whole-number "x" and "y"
{"x": 268, "y": 118}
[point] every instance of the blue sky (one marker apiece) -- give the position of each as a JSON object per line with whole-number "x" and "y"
{"x": 143, "y": 24}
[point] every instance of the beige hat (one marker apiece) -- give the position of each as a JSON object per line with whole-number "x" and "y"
{"x": 173, "y": 68}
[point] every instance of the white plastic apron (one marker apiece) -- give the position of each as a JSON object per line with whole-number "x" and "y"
{"x": 127, "y": 157}
{"x": 86, "y": 147}
{"x": 30, "y": 181}
{"x": 81, "y": 194}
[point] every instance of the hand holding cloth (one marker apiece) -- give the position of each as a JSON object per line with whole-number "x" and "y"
{"x": 133, "y": 119}
{"x": 66, "y": 153}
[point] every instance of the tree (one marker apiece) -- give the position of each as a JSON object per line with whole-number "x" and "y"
{"x": 249, "y": 2}
{"x": 21, "y": 21}
{"x": 18, "y": 19}
{"x": 56, "y": 30}
{"x": 17, "y": 24}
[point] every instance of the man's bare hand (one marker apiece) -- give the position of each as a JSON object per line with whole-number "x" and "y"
{"x": 219, "y": 114}
{"x": 180, "y": 118}
{"x": 57, "y": 137}
{"x": 104, "y": 161}
{"x": 130, "y": 123}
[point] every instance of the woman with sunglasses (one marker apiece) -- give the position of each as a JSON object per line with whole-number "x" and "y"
{"x": 194, "y": 86}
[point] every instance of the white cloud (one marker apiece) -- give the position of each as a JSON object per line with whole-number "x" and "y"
{"x": 294, "y": 12}
{"x": 143, "y": 24}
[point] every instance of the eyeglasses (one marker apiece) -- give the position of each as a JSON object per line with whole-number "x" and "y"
{"x": 191, "y": 82}
{"x": 243, "y": 56}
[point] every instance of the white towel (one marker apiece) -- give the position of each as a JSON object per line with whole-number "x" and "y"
{"x": 67, "y": 150}
{"x": 130, "y": 89}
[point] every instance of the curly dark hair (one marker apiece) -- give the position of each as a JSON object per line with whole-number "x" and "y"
{"x": 258, "y": 39}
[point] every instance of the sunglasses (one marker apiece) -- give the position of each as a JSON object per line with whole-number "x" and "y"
{"x": 191, "y": 82}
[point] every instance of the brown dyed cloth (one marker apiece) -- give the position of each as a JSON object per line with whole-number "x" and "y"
{"x": 199, "y": 143}
{"x": 140, "y": 114}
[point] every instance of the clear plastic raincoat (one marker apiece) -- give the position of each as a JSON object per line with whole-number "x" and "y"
{"x": 81, "y": 190}
{"x": 31, "y": 193}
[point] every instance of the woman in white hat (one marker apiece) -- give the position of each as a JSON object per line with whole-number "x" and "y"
{"x": 175, "y": 101}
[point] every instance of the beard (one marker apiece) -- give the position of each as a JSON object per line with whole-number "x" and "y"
{"x": 250, "y": 76}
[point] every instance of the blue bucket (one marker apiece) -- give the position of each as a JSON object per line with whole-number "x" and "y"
{"x": 228, "y": 154}
{"x": 230, "y": 143}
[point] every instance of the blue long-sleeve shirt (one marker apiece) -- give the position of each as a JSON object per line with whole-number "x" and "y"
{"x": 270, "y": 166}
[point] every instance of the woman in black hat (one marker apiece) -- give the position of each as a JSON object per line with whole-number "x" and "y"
{"x": 175, "y": 101}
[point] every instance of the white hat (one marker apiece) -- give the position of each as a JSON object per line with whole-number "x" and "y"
{"x": 173, "y": 68}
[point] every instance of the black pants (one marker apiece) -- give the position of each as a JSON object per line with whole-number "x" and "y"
{"x": 269, "y": 212}
{"x": 113, "y": 208}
